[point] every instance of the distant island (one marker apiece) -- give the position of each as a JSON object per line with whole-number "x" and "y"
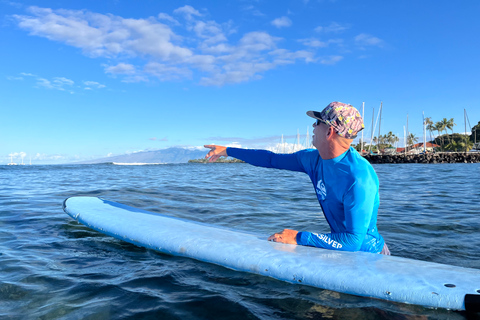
{"x": 169, "y": 155}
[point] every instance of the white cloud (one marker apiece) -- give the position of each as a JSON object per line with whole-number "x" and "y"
{"x": 364, "y": 40}
{"x": 49, "y": 157}
{"x": 18, "y": 155}
{"x": 330, "y": 60}
{"x": 164, "y": 16}
{"x": 167, "y": 72}
{"x": 333, "y": 27}
{"x": 14, "y": 78}
{"x": 188, "y": 12}
{"x": 283, "y": 56}
{"x": 159, "y": 139}
{"x": 316, "y": 43}
{"x": 93, "y": 84}
{"x": 61, "y": 81}
{"x": 282, "y": 22}
{"x": 121, "y": 68}
{"x": 253, "y": 10}
{"x": 101, "y": 35}
{"x": 149, "y": 49}
{"x": 57, "y": 83}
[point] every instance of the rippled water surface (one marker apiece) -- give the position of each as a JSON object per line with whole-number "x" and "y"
{"x": 51, "y": 267}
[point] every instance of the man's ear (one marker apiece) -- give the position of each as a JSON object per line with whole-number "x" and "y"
{"x": 330, "y": 132}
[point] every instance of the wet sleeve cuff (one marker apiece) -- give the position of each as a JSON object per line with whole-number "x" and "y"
{"x": 302, "y": 238}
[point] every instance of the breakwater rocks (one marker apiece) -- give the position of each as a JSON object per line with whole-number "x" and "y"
{"x": 438, "y": 157}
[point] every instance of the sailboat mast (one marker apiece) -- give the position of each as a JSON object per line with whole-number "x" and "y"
{"x": 371, "y": 139}
{"x": 379, "y": 124}
{"x": 424, "y": 134}
{"x": 307, "y": 140}
{"x": 407, "y": 134}
{"x": 465, "y": 119}
{"x": 363, "y": 117}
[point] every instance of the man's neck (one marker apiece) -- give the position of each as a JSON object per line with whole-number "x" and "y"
{"x": 331, "y": 155}
{"x": 333, "y": 150}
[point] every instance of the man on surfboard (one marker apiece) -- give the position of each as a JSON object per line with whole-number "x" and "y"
{"x": 345, "y": 183}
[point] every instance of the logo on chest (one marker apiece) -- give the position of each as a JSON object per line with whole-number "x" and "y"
{"x": 321, "y": 190}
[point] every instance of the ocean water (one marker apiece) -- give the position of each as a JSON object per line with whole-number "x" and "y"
{"x": 51, "y": 267}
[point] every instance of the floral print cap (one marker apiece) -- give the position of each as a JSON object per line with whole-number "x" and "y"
{"x": 344, "y": 118}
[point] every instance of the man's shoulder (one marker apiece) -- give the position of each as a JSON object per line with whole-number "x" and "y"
{"x": 309, "y": 159}
{"x": 310, "y": 153}
{"x": 356, "y": 159}
{"x": 358, "y": 166}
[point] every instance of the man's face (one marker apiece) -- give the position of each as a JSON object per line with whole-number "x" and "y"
{"x": 319, "y": 135}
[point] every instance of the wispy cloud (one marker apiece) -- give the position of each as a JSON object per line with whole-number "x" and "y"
{"x": 93, "y": 84}
{"x": 268, "y": 142}
{"x": 159, "y": 139}
{"x": 13, "y": 78}
{"x": 17, "y": 154}
{"x": 317, "y": 43}
{"x": 183, "y": 45}
{"x": 365, "y": 40}
{"x": 188, "y": 12}
{"x": 333, "y": 27}
{"x": 57, "y": 83}
{"x": 169, "y": 18}
{"x": 330, "y": 60}
{"x": 282, "y": 22}
{"x": 209, "y": 54}
{"x": 253, "y": 11}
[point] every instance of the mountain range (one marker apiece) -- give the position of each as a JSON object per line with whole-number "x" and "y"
{"x": 169, "y": 155}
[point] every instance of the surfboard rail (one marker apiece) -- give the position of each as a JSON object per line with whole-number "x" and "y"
{"x": 358, "y": 273}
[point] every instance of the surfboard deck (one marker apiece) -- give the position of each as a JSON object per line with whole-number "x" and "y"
{"x": 358, "y": 273}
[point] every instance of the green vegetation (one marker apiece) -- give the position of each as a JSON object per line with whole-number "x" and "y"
{"x": 441, "y": 126}
{"x": 412, "y": 139}
{"x": 440, "y": 132}
{"x": 457, "y": 142}
{"x": 384, "y": 141}
{"x": 475, "y": 136}
{"x": 221, "y": 160}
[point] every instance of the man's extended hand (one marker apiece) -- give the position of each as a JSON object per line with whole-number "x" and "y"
{"x": 215, "y": 152}
{"x": 286, "y": 236}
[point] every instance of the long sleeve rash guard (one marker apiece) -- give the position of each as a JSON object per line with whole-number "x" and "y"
{"x": 346, "y": 188}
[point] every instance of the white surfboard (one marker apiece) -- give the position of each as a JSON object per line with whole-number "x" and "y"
{"x": 357, "y": 273}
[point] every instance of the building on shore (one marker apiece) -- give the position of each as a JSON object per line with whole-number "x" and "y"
{"x": 419, "y": 148}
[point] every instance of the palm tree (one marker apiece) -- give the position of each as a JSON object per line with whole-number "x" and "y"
{"x": 430, "y": 126}
{"x": 445, "y": 125}
{"x": 439, "y": 127}
{"x": 391, "y": 138}
{"x": 411, "y": 139}
{"x": 450, "y": 124}
{"x": 395, "y": 139}
{"x": 459, "y": 145}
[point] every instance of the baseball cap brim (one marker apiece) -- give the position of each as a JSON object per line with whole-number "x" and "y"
{"x": 315, "y": 115}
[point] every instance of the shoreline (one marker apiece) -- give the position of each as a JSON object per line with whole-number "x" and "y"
{"x": 437, "y": 157}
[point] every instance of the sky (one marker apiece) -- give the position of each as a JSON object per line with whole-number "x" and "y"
{"x": 88, "y": 79}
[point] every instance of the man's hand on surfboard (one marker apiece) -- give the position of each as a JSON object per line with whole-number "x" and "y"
{"x": 215, "y": 152}
{"x": 286, "y": 236}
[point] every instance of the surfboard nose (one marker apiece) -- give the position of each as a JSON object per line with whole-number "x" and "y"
{"x": 64, "y": 204}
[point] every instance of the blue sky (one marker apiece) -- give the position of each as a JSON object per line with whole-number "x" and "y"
{"x": 87, "y": 79}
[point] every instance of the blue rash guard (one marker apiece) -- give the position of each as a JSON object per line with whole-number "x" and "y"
{"x": 347, "y": 189}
